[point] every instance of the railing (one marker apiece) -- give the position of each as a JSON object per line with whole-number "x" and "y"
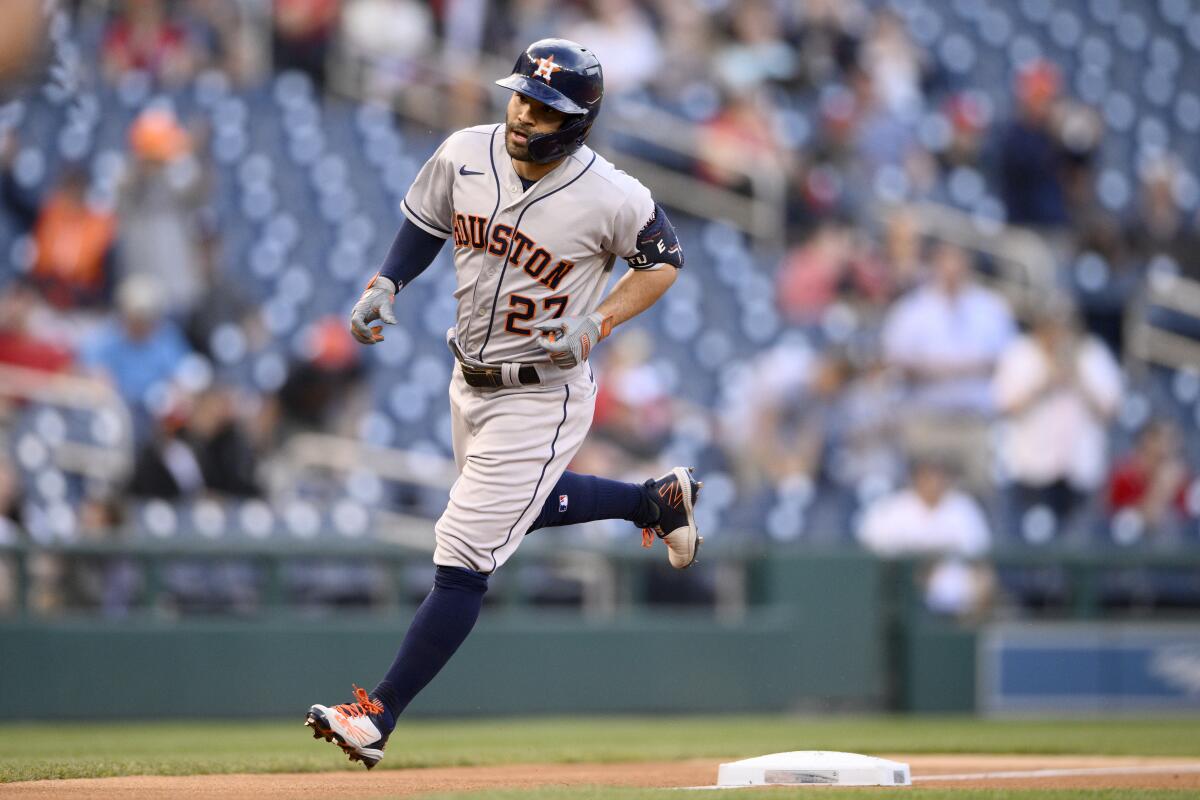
{"x": 761, "y": 214}
{"x": 1028, "y": 271}
{"x": 1077, "y": 576}
{"x": 338, "y": 453}
{"x": 611, "y": 576}
{"x": 1150, "y": 343}
{"x": 1026, "y": 263}
{"x": 321, "y": 452}
{"x": 82, "y": 394}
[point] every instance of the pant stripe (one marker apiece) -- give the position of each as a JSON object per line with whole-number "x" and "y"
{"x": 538, "y": 485}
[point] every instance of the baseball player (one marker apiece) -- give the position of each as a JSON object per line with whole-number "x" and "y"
{"x": 537, "y": 221}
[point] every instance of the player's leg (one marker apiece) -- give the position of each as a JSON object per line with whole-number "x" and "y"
{"x": 577, "y": 498}
{"x": 512, "y": 447}
{"x": 440, "y": 625}
{"x": 449, "y": 612}
{"x": 663, "y": 506}
{"x": 522, "y": 442}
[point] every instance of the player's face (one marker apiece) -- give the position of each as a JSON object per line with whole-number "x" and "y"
{"x": 525, "y": 118}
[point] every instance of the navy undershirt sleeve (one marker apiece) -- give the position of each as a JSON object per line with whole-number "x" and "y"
{"x": 412, "y": 252}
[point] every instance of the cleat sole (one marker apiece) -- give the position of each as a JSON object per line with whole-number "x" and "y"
{"x": 690, "y": 494}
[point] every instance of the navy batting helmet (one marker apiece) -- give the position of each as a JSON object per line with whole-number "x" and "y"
{"x": 565, "y": 76}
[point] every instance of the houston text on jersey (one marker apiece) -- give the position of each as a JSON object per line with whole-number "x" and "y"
{"x": 523, "y": 252}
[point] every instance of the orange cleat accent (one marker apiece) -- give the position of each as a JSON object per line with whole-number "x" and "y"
{"x": 364, "y": 705}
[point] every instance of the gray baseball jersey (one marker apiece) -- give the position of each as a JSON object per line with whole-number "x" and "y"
{"x": 522, "y": 256}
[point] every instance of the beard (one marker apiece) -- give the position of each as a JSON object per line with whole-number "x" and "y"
{"x": 518, "y": 151}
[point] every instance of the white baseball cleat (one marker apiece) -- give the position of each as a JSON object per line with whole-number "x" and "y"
{"x": 355, "y": 727}
{"x": 675, "y": 494}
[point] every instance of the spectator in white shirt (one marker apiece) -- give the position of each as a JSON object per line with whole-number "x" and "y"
{"x": 929, "y": 518}
{"x": 1058, "y": 389}
{"x": 935, "y": 520}
{"x": 945, "y": 338}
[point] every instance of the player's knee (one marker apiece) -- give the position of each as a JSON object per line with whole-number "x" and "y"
{"x": 461, "y": 579}
{"x": 458, "y": 552}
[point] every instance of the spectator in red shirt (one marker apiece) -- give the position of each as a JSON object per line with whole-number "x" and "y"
{"x": 1153, "y": 480}
{"x": 20, "y": 346}
{"x": 828, "y": 267}
{"x": 740, "y": 141}
{"x": 143, "y": 38}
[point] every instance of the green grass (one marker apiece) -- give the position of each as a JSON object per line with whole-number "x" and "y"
{"x": 95, "y": 750}
{"x": 604, "y": 793}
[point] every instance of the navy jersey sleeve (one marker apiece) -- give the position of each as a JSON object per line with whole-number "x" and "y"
{"x": 412, "y": 251}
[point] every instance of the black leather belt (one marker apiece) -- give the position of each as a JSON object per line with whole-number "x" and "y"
{"x": 490, "y": 377}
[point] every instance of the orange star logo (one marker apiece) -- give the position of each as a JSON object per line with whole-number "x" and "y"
{"x": 546, "y": 68}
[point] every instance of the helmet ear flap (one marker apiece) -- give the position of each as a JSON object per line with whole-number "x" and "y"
{"x": 547, "y": 147}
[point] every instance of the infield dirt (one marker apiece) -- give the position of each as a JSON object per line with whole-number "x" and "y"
{"x": 1119, "y": 773}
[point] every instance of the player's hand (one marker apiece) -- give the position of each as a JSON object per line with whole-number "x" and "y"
{"x": 374, "y": 305}
{"x": 569, "y": 340}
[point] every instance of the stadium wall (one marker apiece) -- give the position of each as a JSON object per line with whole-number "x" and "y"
{"x": 823, "y": 631}
{"x": 815, "y": 641}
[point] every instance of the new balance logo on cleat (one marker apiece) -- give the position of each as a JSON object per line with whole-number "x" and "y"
{"x": 355, "y": 727}
{"x": 676, "y": 494}
{"x": 672, "y": 494}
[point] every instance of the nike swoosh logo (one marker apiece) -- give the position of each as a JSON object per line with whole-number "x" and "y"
{"x": 464, "y": 171}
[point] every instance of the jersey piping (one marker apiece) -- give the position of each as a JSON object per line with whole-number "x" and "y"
{"x": 517, "y": 227}
{"x": 486, "y": 236}
{"x": 412, "y": 213}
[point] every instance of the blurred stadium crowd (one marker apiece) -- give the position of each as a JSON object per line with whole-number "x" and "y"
{"x": 191, "y": 202}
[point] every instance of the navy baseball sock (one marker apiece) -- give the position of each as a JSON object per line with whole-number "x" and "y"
{"x": 440, "y": 625}
{"x": 582, "y": 498}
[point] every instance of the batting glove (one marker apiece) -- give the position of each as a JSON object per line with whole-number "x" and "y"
{"x": 569, "y": 340}
{"x": 375, "y": 304}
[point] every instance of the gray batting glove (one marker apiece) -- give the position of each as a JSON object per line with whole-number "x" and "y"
{"x": 569, "y": 340}
{"x": 375, "y": 304}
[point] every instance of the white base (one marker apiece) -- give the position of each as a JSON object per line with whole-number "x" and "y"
{"x": 814, "y": 768}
